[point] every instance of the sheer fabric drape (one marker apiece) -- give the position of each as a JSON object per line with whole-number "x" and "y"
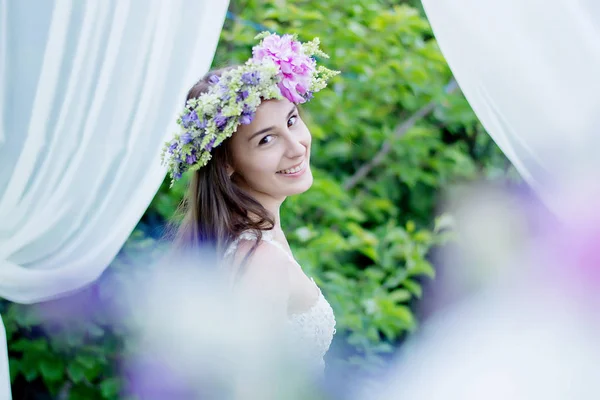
{"x": 89, "y": 90}
{"x": 529, "y": 71}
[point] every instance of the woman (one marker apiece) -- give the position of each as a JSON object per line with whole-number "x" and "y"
{"x": 248, "y": 149}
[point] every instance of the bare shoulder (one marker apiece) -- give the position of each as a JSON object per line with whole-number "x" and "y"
{"x": 266, "y": 270}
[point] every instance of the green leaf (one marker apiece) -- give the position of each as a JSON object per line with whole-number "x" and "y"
{"x": 400, "y": 295}
{"x": 93, "y": 372}
{"x": 25, "y": 345}
{"x": 29, "y": 368}
{"x": 86, "y": 360}
{"x": 76, "y": 372}
{"x": 14, "y": 368}
{"x": 413, "y": 287}
{"x": 84, "y": 392}
{"x": 422, "y": 267}
{"x": 389, "y": 332}
{"x": 404, "y": 314}
{"x": 110, "y": 388}
{"x": 52, "y": 369}
{"x": 371, "y": 253}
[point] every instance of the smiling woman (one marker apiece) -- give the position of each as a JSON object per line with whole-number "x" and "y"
{"x": 248, "y": 149}
{"x": 273, "y": 162}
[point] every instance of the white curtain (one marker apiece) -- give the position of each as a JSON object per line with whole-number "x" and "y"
{"x": 89, "y": 90}
{"x": 529, "y": 69}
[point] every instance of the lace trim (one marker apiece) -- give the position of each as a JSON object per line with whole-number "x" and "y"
{"x": 311, "y": 330}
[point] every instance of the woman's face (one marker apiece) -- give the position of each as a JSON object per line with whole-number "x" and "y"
{"x": 271, "y": 155}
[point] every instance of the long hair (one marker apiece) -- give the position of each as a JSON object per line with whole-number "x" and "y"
{"x": 215, "y": 209}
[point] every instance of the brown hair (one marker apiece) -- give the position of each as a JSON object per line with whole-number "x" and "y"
{"x": 215, "y": 209}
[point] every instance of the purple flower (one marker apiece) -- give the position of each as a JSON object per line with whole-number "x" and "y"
{"x": 213, "y": 79}
{"x": 243, "y": 95}
{"x": 147, "y": 378}
{"x": 191, "y": 158}
{"x": 246, "y": 119}
{"x": 247, "y": 115}
{"x": 250, "y": 78}
{"x": 210, "y": 144}
{"x": 186, "y": 138}
{"x": 221, "y": 121}
{"x": 189, "y": 118}
{"x": 177, "y": 175}
{"x": 202, "y": 124}
{"x": 173, "y": 147}
{"x": 246, "y": 109}
{"x": 223, "y": 89}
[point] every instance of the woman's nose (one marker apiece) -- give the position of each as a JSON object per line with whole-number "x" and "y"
{"x": 296, "y": 147}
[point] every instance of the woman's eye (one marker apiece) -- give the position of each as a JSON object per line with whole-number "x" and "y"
{"x": 292, "y": 120}
{"x": 265, "y": 140}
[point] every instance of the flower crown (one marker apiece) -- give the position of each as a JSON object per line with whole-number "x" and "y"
{"x": 280, "y": 67}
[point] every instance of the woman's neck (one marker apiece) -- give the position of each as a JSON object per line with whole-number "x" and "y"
{"x": 272, "y": 205}
{"x": 273, "y": 209}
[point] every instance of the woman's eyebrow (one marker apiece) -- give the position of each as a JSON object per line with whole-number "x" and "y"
{"x": 260, "y": 132}
{"x": 294, "y": 108}
{"x": 265, "y": 130}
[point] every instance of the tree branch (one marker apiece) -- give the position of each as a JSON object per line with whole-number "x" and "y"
{"x": 400, "y": 131}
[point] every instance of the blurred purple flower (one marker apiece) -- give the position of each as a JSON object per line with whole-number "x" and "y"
{"x": 247, "y": 115}
{"x": 246, "y": 119}
{"x": 221, "y": 121}
{"x": 150, "y": 378}
{"x": 210, "y": 144}
{"x": 202, "y": 124}
{"x": 224, "y": 90}
{"x": 189, "y": 118}
{"x": 250, "y": 78}
{"x": 186, "y": 138}
{"x": 243, "y": 95}
{"x": 246, "y": 109}
{"x": 191, "y": 158}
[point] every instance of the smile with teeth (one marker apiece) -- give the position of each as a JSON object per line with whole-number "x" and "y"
{"x": 293, "y": 170}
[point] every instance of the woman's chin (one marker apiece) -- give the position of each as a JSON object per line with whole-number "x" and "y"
{"x": 301, "y": 185}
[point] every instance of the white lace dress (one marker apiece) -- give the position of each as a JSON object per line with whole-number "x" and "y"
{"x": 314, "y": 328}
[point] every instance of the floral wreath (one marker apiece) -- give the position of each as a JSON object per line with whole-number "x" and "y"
{"x": 280, "y": 67}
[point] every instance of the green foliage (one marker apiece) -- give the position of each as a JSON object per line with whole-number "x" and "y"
{"x": 367, "y": 245}
{"x": 72, "y": 347}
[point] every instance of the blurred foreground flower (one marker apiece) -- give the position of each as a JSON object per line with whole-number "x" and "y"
{"x": 525, "y": 323}
{"x": 193, "y": 339}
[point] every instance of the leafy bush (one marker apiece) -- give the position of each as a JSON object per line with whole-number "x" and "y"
{"x": 72, "y": 347}
{"x": 366, "y": 238}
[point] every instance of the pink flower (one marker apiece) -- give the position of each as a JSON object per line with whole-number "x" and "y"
{"x": 296, "y": 68}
